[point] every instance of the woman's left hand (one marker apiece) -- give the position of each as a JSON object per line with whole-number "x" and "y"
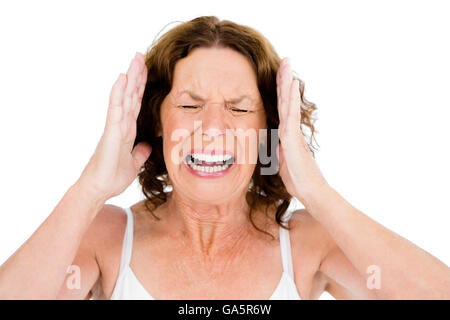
{"x": 298, "y": 169}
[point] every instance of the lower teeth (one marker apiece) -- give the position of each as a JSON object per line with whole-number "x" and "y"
{"x": 209, "y": 168}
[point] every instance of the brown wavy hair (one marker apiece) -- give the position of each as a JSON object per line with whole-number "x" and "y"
{"x": 264, "y": 191}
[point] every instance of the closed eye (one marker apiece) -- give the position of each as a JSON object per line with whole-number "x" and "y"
{"x": 238, "y": 110}
{"x": 190, "y": 107}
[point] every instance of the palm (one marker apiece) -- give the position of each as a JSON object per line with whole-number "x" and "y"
{"x": 298, "y": 169}
{"x": 115, "y": 164}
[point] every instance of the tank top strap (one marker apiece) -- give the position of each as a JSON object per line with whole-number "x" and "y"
{"x": 127, "y": 245}
{"x": 286, "y": 257}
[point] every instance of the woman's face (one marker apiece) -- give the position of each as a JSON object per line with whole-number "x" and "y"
{"x": 210, "y": 125}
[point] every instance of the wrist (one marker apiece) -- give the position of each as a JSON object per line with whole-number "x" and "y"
{"x": 318, "y": 197}
{"x": 88, "y": 194}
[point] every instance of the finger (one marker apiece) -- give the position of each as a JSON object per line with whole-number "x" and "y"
{"x": 280, "y": 68}
{"x": 115, "y": 109}
{"x": 285, "y": 77}
{"x": 295, "y": 114}
{"x": 285, "y": 88}
{"x": 132, "y": 73}
{"x": 293, "y": 109}
{"x": 141, "y": 67}
{"x": 143, "y": 82}
{"x": 140, "y": 84}
{"x": 140, "y": 92}
{"x": 137, "y": 99}
{"x": 279, "y": 72}
{"x": 129, "y": 131}
{"x": 116, "y": 95}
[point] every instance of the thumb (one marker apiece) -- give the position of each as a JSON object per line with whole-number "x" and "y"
{"x": 140, "y": 153}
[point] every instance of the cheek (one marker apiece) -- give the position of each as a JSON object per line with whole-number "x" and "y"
{"x": 176, "y": 141}
{"x": 256, "y": 128}
{"x": 174, "y": 125}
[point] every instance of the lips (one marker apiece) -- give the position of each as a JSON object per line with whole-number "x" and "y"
{"x": 209, "y": 160}
{"x": 210, "y": 163}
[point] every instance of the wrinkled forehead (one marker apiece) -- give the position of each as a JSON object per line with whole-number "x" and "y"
{"x": 213, "y": 73}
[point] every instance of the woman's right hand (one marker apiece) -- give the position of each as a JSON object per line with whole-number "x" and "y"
{"x": 115, "y": 164}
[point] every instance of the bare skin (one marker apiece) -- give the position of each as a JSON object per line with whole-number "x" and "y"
{"x": 165, "y": 264}
{"x": 204, "y": 247}
{"x": 206, "y": 243}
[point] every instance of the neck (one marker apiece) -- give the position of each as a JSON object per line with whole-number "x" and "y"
{"x": 210, "y": 230}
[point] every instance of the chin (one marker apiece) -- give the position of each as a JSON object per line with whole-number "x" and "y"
{"x": 212, "y": 192}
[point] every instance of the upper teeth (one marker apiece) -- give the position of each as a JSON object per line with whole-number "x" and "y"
{"x": 211, "y": 158}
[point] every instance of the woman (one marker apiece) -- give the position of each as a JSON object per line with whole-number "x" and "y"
{"x": 214, "y": 224}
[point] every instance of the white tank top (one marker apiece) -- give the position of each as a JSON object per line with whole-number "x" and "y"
{"x": 128, "y": 286}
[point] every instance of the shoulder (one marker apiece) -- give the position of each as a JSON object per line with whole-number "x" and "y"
{"x": 107, "y": 230}
{"x": 109, "y": 220}
{"x": 108, "y": 227}
{"x": 106, "y": 234}
{"x": 98, "y": 245}
{"x": 333, "y": 272}
{"x": 304, "y": 227}
{"x": 310, "y": 244}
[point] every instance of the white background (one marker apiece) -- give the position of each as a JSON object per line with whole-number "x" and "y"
{"x": 378, "y": 72}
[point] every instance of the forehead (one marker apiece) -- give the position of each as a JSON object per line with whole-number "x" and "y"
{"x": 209, "y": 72}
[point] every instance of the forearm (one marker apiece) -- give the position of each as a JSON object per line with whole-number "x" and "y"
{"x": 38, "y": 268}
{"x": 406, "y": 271}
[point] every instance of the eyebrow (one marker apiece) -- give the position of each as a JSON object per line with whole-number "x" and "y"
{"x": 199, "y": 98}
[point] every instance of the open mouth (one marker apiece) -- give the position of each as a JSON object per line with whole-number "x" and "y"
{"x": 209, "y": 163}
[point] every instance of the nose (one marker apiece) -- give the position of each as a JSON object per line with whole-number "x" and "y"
{"x": 213, "y": 121}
